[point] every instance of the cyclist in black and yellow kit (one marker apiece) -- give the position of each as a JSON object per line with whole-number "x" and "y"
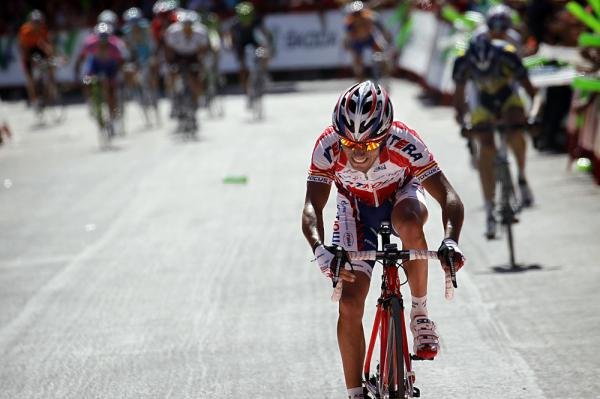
{"x": 496, "y": 71}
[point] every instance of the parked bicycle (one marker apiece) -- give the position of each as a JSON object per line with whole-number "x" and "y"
{"x": 393, "y": 376}
{"x": 257, "y": 79}
{"x": 100, "y": 110}
{"x": 49, "y": 101}
{"x": 507, "y": 204}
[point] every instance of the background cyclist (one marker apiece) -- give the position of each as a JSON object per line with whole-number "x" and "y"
{"x": 247, "y": 28}
{"x": 380, "y": 168}
{"x": 185, "y": 43}
{"x": 136, "y": 32}
{"x": 495, "y": 69}
{"x": 34, "y": 41}
{"x": 363, "y": 31}
{"x": 104, "y": 60}
{"x": 499, "y": 22}
{"x": 164, "y": 15}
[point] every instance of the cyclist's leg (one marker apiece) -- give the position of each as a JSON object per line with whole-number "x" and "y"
{"x": 241, "y": 58}
{"x": 153, "y": 73}
{"x": 514, "y": 114}
{"x": 350, "y": 331}
{"x": 110, "y": 70}
{"x": 130, "y": 74}
{"x": 408, "y": 218}
{"x": 29, "y": 83}
{"x": 196, "y": 77}
{"x": 53, "y": 89}
{"x": 481, "y": 117}
{"x": 353, "y": 235}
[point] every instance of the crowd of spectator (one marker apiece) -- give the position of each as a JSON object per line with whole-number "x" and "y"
{"x": 66, "y": 14}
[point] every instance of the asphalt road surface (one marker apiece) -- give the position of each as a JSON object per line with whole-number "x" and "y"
{"x": 137, "y": 273}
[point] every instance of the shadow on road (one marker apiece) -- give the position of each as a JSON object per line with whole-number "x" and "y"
{"x": 504, "y": 269}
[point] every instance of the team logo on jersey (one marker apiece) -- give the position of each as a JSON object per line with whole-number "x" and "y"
{"x": 348, "y": 240}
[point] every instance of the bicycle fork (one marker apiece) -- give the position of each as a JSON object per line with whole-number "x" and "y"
{"x": 381, "y": 327}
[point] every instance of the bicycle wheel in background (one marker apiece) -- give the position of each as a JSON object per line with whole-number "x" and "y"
{"x": 508, "y": 208}
{"x": 100, "y": 112}
{"x": 257, "y": 81}
{"x": 380, "y": 69}
{"x": 50, "y": 106}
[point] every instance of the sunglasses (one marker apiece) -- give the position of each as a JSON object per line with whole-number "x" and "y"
{"x": 364, "y": 146}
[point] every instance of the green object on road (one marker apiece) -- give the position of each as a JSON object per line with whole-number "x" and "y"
{"x": 235, "y": 180}
{"x": 583, "y": 165}
{"x": 589, "y": 84}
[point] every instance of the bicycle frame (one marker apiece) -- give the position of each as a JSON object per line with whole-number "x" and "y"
{"x": 390, "y": 288}
{"x": 389, "y": 318}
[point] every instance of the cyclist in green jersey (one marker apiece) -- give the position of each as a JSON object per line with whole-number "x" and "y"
{"x": 496, "y": 71}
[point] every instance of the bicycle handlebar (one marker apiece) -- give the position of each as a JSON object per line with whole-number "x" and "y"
{"x": 393, "y": 256}
{"x": 467, "y": 129}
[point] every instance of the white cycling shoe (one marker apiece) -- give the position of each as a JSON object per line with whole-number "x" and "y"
{"x": 426, "y": 339}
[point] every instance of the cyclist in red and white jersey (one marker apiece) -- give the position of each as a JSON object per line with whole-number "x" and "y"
{"x": 381, "y": 169}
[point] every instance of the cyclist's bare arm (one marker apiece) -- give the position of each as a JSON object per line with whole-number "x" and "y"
{"x": 317, "y": 195}
{"x": 459, "y": 102}
{"x": 452, "y": 208}
{"x": 528, "y": 86}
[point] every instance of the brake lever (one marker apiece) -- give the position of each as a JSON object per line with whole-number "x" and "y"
{"x": 452, "y": 269}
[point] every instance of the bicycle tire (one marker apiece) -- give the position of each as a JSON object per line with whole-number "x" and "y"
{"x": 507, "y": 212}
{"x": 511, "y": 247}
{"x": 395, "y": 386}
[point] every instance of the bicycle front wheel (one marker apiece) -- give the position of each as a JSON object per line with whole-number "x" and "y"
{"x": 394, "y": 379}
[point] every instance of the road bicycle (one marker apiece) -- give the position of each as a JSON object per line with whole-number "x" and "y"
{"x": 257, "y": 79}
{"x": 141, "y": 91}
{"x": 213, "y": 85}
{"x": 49, "y": 100}
{"x": 507, "y": 205}
{"x": 393, "y": 376}
{"x": 381, "y": 67}
{"x": 185, "y": 103}
{"x": 100, "y": 109}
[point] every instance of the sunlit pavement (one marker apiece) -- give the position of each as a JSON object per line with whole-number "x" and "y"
{"x": 137, "y": 273}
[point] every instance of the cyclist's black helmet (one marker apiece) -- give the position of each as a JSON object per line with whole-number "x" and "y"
{"x": 481, "y": 51}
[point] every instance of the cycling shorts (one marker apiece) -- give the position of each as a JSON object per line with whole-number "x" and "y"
{"x": 492, "y": 106}
{"x": 189, "y": 63}
{"x": 107, "y": 68}
{"x": 360, "y": 45}
{"x": 29, "y": 54}
{"x": 241, "y": 43}
{"x": 356, "y": 224}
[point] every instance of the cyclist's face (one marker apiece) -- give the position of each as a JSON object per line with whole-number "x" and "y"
{"x": 498, "y": 34}
{"x": 361, "y": 159}
{"x": 187, "y": 28}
